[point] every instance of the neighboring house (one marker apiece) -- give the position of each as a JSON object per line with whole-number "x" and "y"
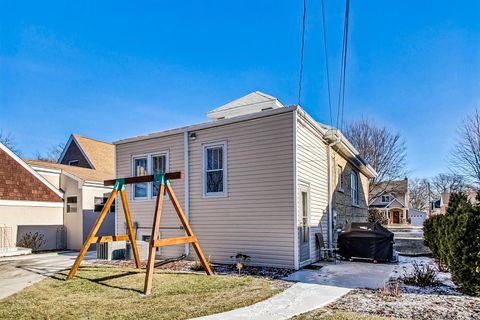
{"x": 259, "y": 179}
{"x": 83, "y": 166}
{"x": 391, "y": 198}
{"x": 28, "y": 202}
{"x": 440, "y": 205}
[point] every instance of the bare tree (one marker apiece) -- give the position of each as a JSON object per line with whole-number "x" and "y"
{"x": 418, "y": 191}
{"x": 448, "y": 182}
{"x": 52, "y": 155}
{"x": 384, "y": 150}
{"x": 7, "y": 139}
{"x": 465, "y": 158}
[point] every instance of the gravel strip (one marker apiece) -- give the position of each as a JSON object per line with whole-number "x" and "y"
{"x": 409, "y": 305}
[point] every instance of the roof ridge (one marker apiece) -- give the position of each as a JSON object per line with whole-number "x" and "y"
{"x": 96, "y": 140}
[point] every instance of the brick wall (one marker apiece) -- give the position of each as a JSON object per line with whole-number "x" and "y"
{"x": 74, "y": 153}
{"x": 17, "y": 183}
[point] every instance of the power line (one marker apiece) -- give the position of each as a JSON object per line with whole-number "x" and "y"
{"x": 343, "y": 67}
{"x": 302, "y": 51}
{"x": 326, "y": 62}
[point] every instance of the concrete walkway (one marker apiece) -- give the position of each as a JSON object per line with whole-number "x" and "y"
{"x": 17, "y": 273}
{"x": 313, "y": 289}
{"x": 299, "y": 298}
{"x": 347, "y": 275}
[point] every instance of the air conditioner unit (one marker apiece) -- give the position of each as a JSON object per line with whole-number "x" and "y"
{"x": 111, "y": 250}
{"x": 143, "y": 250}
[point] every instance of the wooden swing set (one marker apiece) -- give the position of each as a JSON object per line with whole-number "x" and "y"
{"x": 163, "y": 182}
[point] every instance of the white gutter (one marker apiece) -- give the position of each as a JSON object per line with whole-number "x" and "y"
{"x": 330, "y": 193}
{"x": 187, "y": 183}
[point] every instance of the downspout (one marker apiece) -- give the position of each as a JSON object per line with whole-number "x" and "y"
{"x": 330, "y": 193}
{"x": 187, "y": 184}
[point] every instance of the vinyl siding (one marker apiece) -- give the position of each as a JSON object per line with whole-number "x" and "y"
{"x": 312, "y": 172}
{"x": 142, "y": 210}
{"x": 256, "y": 216}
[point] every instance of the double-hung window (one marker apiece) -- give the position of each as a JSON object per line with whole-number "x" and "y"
{"x": 147, "y": 164}
{"x": 159, "y": 165}
{"x": 140, "y": 168}
{"x": 339, "y": 179}
{"x": 354, "y": 188}
{"x": 385, "y": 198}
{"x": 215, "y": 170}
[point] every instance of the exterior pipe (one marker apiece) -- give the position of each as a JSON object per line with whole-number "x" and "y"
{"x": 187, "y": 183}
{"x": 330, "y": 193}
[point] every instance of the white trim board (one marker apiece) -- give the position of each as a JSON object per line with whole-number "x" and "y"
{"x": 31, "y": 170}
{"x": 24, "y": 203}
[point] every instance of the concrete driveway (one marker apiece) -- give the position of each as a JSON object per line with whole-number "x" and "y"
{"x": 17, "y": 273}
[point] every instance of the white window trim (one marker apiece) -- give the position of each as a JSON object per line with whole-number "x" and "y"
{"x": 223, "y": 194}
{"x": 66, "y": 205}
{"x": 149, "y": 157}
{"x": 149, "y": 164}
{"x": 340, "y": 179}
{"x": 73, "y": 161}
{"x": 355, "y": 199}
{"x": 385, "y": 195}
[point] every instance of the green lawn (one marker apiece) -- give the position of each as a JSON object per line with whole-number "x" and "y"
{"x": 328, "y": 314}
{"x": 108, "y": 292}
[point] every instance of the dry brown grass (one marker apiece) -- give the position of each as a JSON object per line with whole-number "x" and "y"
{"x": 115, "y": 292}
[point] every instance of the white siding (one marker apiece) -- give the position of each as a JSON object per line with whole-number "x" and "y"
{"x": 312, "y": 172}
{"x": 256, "y": 217}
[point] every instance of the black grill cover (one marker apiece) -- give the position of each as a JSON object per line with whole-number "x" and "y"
{"x": 366, "y": 240}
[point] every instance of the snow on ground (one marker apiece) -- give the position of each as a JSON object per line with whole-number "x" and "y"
{"x": 442, "y": 301}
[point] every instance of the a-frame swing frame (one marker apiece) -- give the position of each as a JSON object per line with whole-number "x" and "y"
{"x": 119, "y": 186}
{"x": 164, "y": 187}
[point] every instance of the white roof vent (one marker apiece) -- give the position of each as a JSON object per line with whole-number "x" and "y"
{"x": 251, "y": 103}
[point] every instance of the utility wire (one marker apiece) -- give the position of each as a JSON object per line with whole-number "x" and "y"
{"x": 326, "y": 62}
{"x": 302, "y": 51}
{"x": 341, "y": 93}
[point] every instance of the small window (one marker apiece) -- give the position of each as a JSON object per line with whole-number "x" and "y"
{"x": 140, "y": 169}
{"x": 73, "y": 163}
{"x": 71, "y": 204}
{"x": 99, "y": 202}
{"x": 385, "y": 198}
{"x": 354, "y": 188}
{"x": 214, "y": 162}
{"x": 339, "y": 178}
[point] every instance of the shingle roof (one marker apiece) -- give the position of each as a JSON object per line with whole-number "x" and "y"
{"x": 398, "y": 187}
{"x": 82, "y": 173}
{"x": 101, "y": 154}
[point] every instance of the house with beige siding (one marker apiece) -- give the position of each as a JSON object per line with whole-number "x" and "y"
{"x": 79, "y": 173}
{"x": 259, "y": 179}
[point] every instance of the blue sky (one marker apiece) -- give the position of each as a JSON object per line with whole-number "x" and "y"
{"x": 110, "y": 70}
